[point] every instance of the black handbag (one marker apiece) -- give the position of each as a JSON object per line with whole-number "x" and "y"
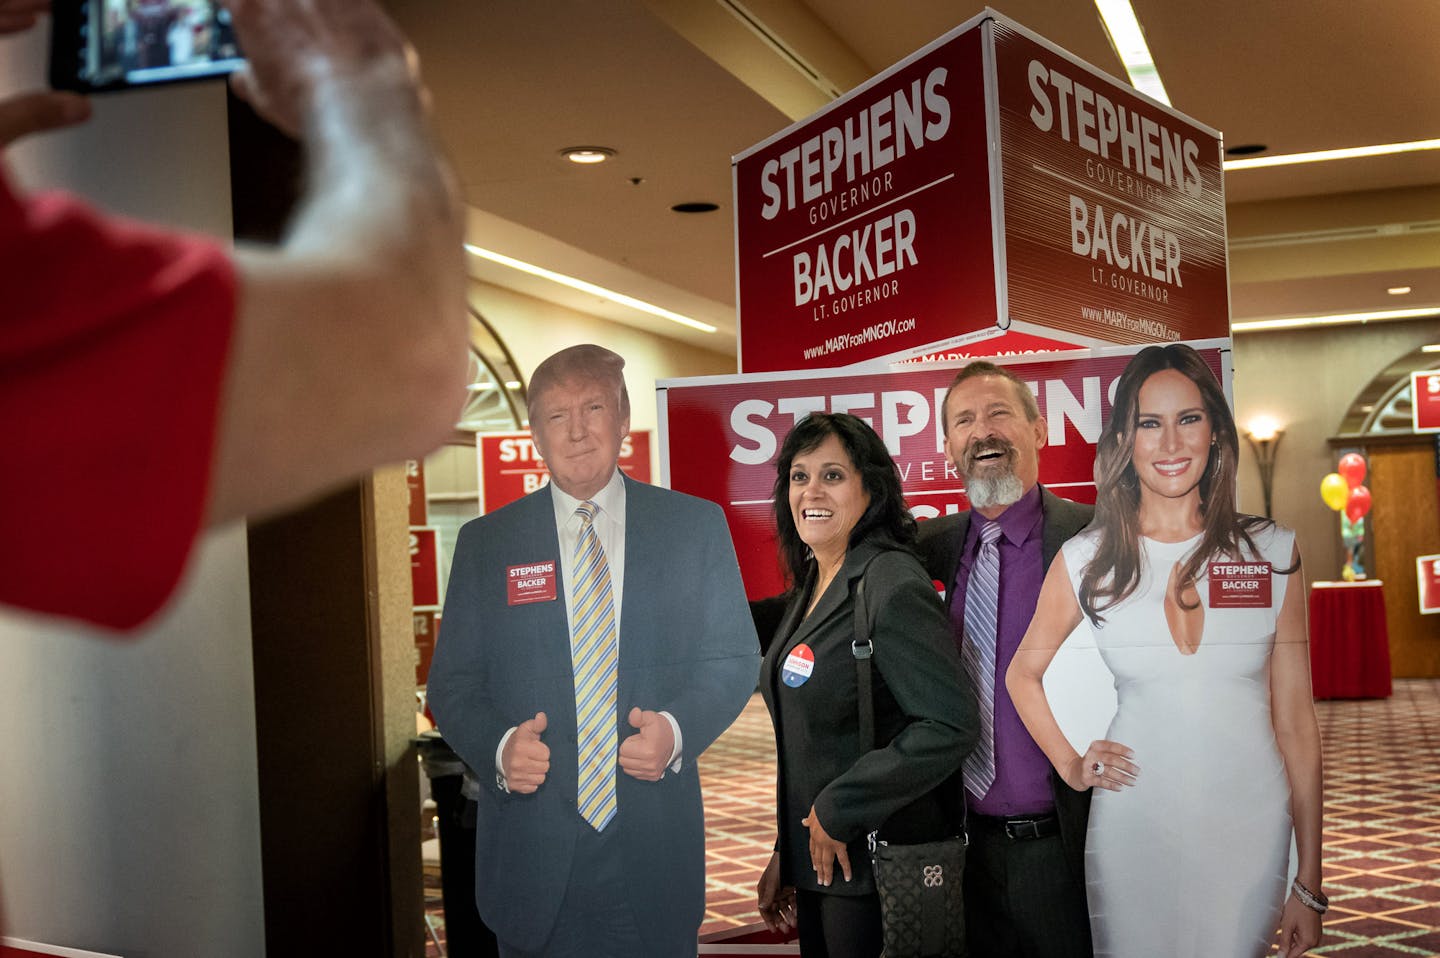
{"x": 922, "y": 904}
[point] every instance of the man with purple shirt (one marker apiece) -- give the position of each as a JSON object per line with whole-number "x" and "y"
{"x": 1024, "y": 875}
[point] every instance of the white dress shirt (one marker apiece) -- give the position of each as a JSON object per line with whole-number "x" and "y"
{"x": 609, "y": 525}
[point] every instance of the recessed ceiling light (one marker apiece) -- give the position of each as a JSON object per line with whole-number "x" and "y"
{"x": 1320, "y": 156}
{"x": 1246, "y": 149}
{"x": 695, "y": 207}
{"x": 587, "y": 154}
{"x": 1432, "y": 348}
{"x": 1398, "y": 290}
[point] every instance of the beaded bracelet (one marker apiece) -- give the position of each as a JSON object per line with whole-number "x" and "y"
{"x": 1314, "y": 901}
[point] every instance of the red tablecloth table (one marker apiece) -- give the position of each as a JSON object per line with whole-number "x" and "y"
{"x": 1349, "y": 644}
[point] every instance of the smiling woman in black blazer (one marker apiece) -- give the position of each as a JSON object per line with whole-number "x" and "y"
{"x": 839, "y": 512}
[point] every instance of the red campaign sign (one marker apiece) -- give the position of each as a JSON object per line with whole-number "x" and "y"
{"x": 531, "y": 582}
{"x": 865, "y": 230}
{"x": 510, "y": 466}
{"x": 415, "y": 492}
{"x": 425, "y": 567}
{"x": 1239, "y": 585}
{"x": 425, "y": 625}
{"x": 1427, "y": 573}
{"x": 1425, "y": 400}
{"x": 1114, "y": 207}
{"x": 882, "y": 227}
{"x": 721, "y": 434}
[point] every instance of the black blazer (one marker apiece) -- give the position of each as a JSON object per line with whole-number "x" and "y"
{"x": 940, "y": 543}
{"x": 925, "y": 716}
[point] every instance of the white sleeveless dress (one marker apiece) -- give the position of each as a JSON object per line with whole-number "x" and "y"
{"x": 1192, "y": 860}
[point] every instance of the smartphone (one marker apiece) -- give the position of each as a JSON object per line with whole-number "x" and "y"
{"x": 102, "y": 45}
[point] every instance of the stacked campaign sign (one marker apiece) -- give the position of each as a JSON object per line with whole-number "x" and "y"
{"x": 989, "y": 189}
{"x": 853, "y": 224}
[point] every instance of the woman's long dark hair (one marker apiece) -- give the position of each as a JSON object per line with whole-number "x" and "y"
{"x": 886, "y": 517}
{"x": 1114, "y": 573}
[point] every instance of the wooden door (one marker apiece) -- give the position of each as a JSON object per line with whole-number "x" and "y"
{"x": 1404, "y": 522}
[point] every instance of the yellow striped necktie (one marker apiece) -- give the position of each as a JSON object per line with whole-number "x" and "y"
{"x": 593, "y": 655}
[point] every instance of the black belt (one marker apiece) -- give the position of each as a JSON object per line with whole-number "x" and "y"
{"x": 1023, "y": 828}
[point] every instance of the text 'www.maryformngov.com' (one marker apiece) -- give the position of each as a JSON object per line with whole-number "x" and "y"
{"x": 870, "y": 334}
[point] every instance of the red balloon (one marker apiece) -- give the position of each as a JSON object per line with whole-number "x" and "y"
{"x": 1358, "y": 504}
{"x": 1352, "y": 467}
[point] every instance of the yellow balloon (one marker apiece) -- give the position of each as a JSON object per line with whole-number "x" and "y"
{"x": 1335, "y": 491}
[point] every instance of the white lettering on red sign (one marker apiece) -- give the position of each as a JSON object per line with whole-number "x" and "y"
{"x": 529, "y": 583}
{"x": 1126, "y": 243}
{"x": 863, "y": 255}
{"x": 1240, "y": 585}
{"x": 520, "y": 449}
{"x": 760, "y": 424}
{"x": 1102, "y": 127}
{"x": 858, "y": 145}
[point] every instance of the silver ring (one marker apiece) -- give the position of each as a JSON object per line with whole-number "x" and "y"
{"x": 1098, "y": 768}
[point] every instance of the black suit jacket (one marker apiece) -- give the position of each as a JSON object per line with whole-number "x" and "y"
{"x": 941, "y": 541}
{"x": 925, "y": 716}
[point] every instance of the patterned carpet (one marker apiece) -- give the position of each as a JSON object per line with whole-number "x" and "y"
{"x": 1382, "y": 823}
{"x": 737, "y": 776}
{"x": 1382, "y": 817}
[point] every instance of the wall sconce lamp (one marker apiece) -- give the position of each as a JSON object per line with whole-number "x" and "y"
{"x": 1264, "y": 436}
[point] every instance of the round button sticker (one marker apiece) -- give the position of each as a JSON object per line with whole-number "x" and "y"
{"x": 798, "y": 666}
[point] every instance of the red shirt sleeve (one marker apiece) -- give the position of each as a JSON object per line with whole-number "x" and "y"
{"x": 113, "y": 341}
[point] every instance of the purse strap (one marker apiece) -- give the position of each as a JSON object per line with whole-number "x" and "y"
{"x": 862, "y": 648}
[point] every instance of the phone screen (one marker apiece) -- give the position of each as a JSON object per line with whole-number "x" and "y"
{"x": 111, "y": 44}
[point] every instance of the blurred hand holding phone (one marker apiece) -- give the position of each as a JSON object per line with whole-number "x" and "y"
{"x": 102, "y": 45}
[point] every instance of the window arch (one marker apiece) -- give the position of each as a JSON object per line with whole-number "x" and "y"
{"x": 494, "y": 402}
{"x": 1383, "y": 407}
{"x": 496, "y": 392}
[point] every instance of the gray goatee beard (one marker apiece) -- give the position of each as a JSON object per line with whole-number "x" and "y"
{"x": 994, "y": 482}
{"x": 985, "y": 492}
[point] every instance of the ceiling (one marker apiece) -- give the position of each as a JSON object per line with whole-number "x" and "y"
{"x": 677, "y": 87}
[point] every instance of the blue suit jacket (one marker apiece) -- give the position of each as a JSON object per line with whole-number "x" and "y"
{"x": 687, "y": 646}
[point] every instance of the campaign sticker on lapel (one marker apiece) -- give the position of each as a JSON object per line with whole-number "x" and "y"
{"x": 532, "y": 582}
{"x": 799, "y": 664}
{"x": 1239, "y": 585}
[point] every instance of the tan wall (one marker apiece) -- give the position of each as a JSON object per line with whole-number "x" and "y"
{"x": 1306, "y": 380}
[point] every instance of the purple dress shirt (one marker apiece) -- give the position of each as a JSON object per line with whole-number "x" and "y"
{"x": 1022, "y": 772}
